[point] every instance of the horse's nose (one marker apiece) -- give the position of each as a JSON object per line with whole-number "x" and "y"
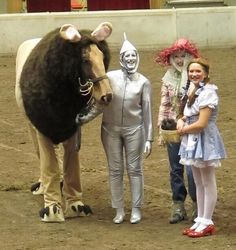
{"x": 107, "y": 98}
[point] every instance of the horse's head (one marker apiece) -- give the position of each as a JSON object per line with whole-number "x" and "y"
{"x": 95, "y": 57}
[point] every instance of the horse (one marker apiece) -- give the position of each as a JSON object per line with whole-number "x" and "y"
{"x": 57, "y": 77}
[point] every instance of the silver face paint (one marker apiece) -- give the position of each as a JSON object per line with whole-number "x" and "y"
{"x": 130, "y": 60}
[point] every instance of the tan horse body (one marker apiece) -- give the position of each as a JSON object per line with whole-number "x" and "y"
{"x": 56, "y": 206}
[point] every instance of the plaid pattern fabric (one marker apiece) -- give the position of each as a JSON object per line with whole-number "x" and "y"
{"x": 170, "y": 103}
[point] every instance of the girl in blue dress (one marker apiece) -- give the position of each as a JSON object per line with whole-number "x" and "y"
{"x": 201, "y": 146}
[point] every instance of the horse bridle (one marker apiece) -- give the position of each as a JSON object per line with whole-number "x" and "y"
{"x": 87, "y": 87}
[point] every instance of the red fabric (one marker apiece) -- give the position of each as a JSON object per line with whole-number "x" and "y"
{"x": 48, "y": 5}
{"x": 163, "y": 57}
{"x": 117, "y": 5}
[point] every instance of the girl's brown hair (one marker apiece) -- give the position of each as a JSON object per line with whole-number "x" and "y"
{"x": 206, "y": 67}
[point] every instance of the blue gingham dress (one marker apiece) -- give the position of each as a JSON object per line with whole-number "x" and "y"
{"x": 206, "y": 148}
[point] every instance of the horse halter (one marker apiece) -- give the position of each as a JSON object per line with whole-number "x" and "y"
{"x": 87, "y": 87}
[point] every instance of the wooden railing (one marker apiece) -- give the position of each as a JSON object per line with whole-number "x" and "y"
{"x": 194, "y": 3}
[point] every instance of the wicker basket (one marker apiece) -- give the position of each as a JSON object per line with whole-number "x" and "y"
{"x": 170, "y": 135}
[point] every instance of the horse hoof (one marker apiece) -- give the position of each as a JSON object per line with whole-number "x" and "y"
{"x": 52, "y": 213}
{"x": 77, "y": 209}
{"x": 37, "y": 188}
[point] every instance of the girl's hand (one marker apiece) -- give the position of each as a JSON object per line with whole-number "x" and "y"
{"x": 180, "y": 124}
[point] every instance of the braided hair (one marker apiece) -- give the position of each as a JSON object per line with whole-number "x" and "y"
{"x": 184, "y": 99}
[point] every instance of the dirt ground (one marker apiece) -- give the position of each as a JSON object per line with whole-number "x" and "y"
{"x": 20, "y": 224}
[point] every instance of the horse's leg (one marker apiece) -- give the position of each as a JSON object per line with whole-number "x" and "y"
{"x": 59, "y": 154}
{"x": 72, "y": 189}
{"x": 50, "y": 173}
{"x": 36, "y": 188}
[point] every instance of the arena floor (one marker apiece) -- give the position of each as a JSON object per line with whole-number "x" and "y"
{"x": 20, "y": 225}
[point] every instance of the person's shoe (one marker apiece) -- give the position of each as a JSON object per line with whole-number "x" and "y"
{"x": 119, "y": 218}
{"x": 135, "y": 215}
{"x": 178, "y": 212}
{"x": 120, "y": 215}
{"x": 52, "y": 213}
{"x": 37, "y": 188}
{"x": 187, "y": 230}
{"x": 209, "y": 230}
{"x": 77, "y": 209}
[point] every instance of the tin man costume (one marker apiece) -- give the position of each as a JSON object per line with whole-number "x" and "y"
{"x": 126, "y": 131}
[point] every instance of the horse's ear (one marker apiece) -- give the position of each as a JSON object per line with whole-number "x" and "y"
{"x": 102, "y": 31}
{"x": 70, "y": 33}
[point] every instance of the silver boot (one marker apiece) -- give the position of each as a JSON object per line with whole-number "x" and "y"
{"x": 120, "y": 214}
{"x": 135, "y": 215}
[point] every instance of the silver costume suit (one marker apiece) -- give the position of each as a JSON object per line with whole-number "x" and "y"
{"x": 126, "y": 130}
{"x": 126, "y": 126}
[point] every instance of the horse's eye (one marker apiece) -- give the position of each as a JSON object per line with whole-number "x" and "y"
{"x": 85, "y": 59}
{"x": 85, "y": 55}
